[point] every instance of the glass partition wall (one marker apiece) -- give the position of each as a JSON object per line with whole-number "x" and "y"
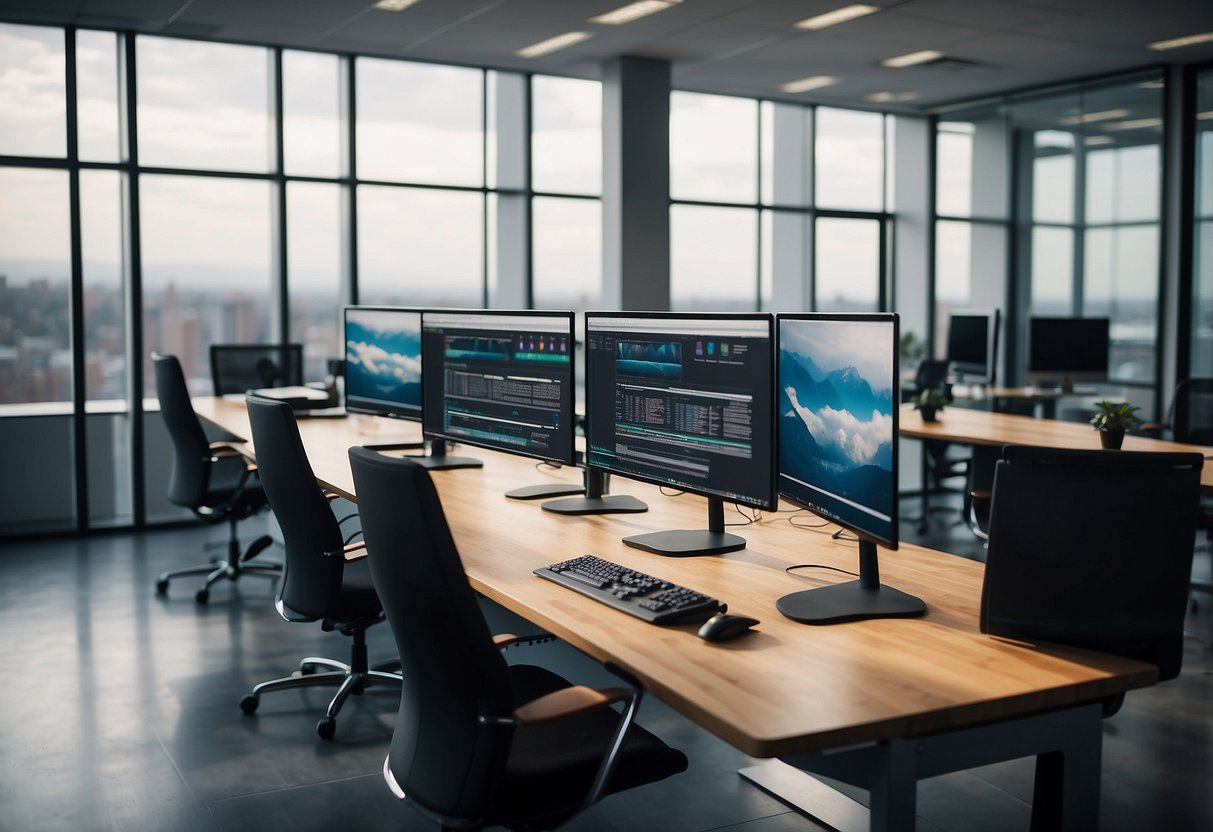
{"x": 1201, "y": 357}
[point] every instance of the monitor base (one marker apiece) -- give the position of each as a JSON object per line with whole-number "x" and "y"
{"x": 446, "y": 463}
{"x": 849, "y": 602}
{"x": 607, "y": 504}
{"x": 396, "y": 446}
{"x": 539, "y": 492}
{"x": 685, "y": 543}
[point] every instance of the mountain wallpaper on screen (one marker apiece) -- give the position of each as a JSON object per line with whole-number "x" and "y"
{"x": 383, "y": 364}
{"x": 836, "y": 432}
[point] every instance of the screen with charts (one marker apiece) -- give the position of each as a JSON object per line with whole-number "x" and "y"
{"x": 684, "y": 401}
{"x": 501, "y": 380}
{"x": 383, "y": 361}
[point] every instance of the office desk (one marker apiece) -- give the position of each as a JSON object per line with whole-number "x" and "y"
{"x": 981, "y": 427}
{"x": 908, "y": 697}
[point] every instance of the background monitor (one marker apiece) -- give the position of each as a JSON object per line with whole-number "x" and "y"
{"x": 973, "y": 345}
{"x": 501, "y": 380}
{"x": 383, "y": 361}
{"x": 685, "y": 401}
{"x": 1065, "y": 350}
{"x": 837, "y": 382}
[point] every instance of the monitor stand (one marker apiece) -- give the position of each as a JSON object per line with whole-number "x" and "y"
{"x": 439, "y": 461}
{"x": 853, "y": 600}
{"x": 396, "y": 446}
{"x": 543, "y": 490}
{"x": 596, "y": 501}
{"x": 683, "y": 543}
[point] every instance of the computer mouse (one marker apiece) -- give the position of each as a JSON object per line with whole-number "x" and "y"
{"x": 722, "y": 627}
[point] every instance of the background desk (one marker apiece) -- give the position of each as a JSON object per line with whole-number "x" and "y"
{"x": 786, "y": 690}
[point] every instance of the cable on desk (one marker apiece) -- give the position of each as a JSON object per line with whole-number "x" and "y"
{"x": 753, "y": 517}
{"x": 670, "y": 492}
{"x": 543, "y": 463}
{"x": 842, "y": 535}
{"x": 811, "y": 526}
{"x": 789, "y": 569}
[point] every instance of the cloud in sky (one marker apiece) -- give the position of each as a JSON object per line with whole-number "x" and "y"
{"x": 859, "y": 440}
{"x": 378, "y": 361}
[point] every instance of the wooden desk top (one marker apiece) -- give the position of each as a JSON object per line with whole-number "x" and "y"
{"x": 786, "y": 687}
{"x": 981, "y": 427}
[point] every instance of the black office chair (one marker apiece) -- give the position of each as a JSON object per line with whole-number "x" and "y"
{"x": 940, "y": 463}
{"x": 238, "y": 368}
{"x": 1093, "y": 549}
{"x": 478, "y": 742}
{"x": 318, "y": 584}
{"x": 211, "y": 479}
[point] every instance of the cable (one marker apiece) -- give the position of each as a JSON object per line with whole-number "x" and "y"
{"x": 673, "y": 492}
{"x": 543, "y": 463}
{"x": 753, "y": 517}
{"x": 789, "y": 569}
{"x": 841, "y": 535}
{"x": 823, "y": 524}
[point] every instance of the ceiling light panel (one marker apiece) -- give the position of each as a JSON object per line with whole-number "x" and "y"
{"x": 1180, "y": 43}
{"x": 547, "y": 47}
{"x": 843, "y": 15}
{"x": 633, "y": 11}
{"x": 912, "y": 59}
{"x": 394, "y": 5}
{"x": 891, "y": 97}
{"x": 813, "y": 82}
{"x": 1090, "y": 118}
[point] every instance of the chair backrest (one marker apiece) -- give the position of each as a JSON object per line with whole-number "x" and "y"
{"x": 1094, "y": 549}
{"x": 190, "y": 478}
{"x": 931, "y": 375}
{"x": 311, "y": 580}
{"x": 1192, "y": 411}
{"x": 238, "y": 368}
{"x": 446, "y": 752}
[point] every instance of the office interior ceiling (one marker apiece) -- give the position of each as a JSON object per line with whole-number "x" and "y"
{"x": 743, "y": 47}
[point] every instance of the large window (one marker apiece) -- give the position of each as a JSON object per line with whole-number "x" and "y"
{"x": 1202, "y": 293}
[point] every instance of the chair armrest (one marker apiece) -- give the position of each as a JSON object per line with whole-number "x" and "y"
{"x": 567, "y": 702}
{"x": 1154, "y": 429}
{"x": 981, "y": 494}
{"x": 350, "y": 551}
{"x": 505, "y": 639}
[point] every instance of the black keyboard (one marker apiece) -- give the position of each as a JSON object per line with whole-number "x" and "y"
{"x": 638, "y": 594}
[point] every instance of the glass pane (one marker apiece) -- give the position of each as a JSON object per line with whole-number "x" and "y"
{"x": 420, "y": 247}
{"x": 849, "y": 169}
{"x": 311, "y": 114}
{"x": 954, "y": 177}
{"x": 203, "y": 105}
{"x": 104, "y": 304}
{"x": 713, "y": 147}
{"x": 1053, "y": 177}
{"x": 420, "y": 123}
{"x": 1202, "y": 290}
{"x": 713, "y": 259}
{"x": 953, "y": 274}
{"x": 566, "y": 253}
{"x": 33, "y": 91}
{"x": 35, "y": 283}
{"x": 207, "y": 276}
{"x": 847, "y": 273}
{"x": 1123, "y": 184}
{"x": 1052, "y": 271}
{"x": 766, "y": 261}
{"x": 97, "y": 96}
{"x": 1121, "y": 282}
{"x": 314, "y": 272}
{"x": 566, "y": 135}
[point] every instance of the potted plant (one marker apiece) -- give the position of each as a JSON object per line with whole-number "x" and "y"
{"x": 929, "y": 402}
{"x": 1112, "y": 419}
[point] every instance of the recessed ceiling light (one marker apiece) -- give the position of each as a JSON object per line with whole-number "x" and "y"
{"x": 912, "y": 59}
{"x": 1092, "y": 141}
{"x": 546, "y": 47}
{"x": 835, "y": 17}
{"x": 1205, "y": 116}
{"x": 1179, "y": 43}
{"x": 633, "y": 11}
{"x": 1134, "y": 124}
{"x": 813, "y": 82}
{"x": 1102, "y": 115}
{"x": 394, "y": 5}
{"x": 891, "y": 97}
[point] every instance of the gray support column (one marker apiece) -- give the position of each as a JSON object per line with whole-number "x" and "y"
{"x": 636, "y": 184}
{"x": 792, "y": 231}
{"x": 989, "y": 254}
{"x": 509, "y": 232}
{"x": 1176, "y": 235}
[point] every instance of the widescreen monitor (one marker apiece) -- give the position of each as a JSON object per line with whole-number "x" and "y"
{"x": 501, "y": 380}
{"x": 838, "y": 414}
{"x": 383, "y": 361}
{"x": 973, "y": 345}
{"x": 1065, "y": 350}
{"x": 685, "y": 401}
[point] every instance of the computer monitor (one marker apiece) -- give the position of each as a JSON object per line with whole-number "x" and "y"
{"x": 1065, "y": 350}
{"x": 500, "y": 380}
{"x": 837, "y": 382}
{"x": 684, "y": 400}
{"x": 973, "y": 345}
{"x": 383, "y": 361}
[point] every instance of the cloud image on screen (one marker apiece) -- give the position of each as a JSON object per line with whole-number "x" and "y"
{"x": 836, "y": 409}
{"x": 383, "y": 357}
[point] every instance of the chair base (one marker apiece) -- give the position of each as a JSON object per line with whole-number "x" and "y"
{"x": 232, "y": 568}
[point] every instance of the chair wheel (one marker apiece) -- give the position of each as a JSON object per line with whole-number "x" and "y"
{"x": 202, "y": 596}
{"x": 249, "y": 703}
{"x": 307, "y": 669}
{"x": 326, "y": 728}
{"x": 162, "y": 586}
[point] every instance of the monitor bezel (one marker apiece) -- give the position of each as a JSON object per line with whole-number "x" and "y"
{"x": 570, "y": 457}
{"x": 1033, "y": 374}
{"x": 773, "y": 466}
{"x": 372, "y": 409}
{"x": 893, "y": 540}
{"x": 987, "y": 374}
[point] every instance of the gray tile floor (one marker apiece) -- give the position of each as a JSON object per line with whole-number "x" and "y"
{"x": 122, "y": 713}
